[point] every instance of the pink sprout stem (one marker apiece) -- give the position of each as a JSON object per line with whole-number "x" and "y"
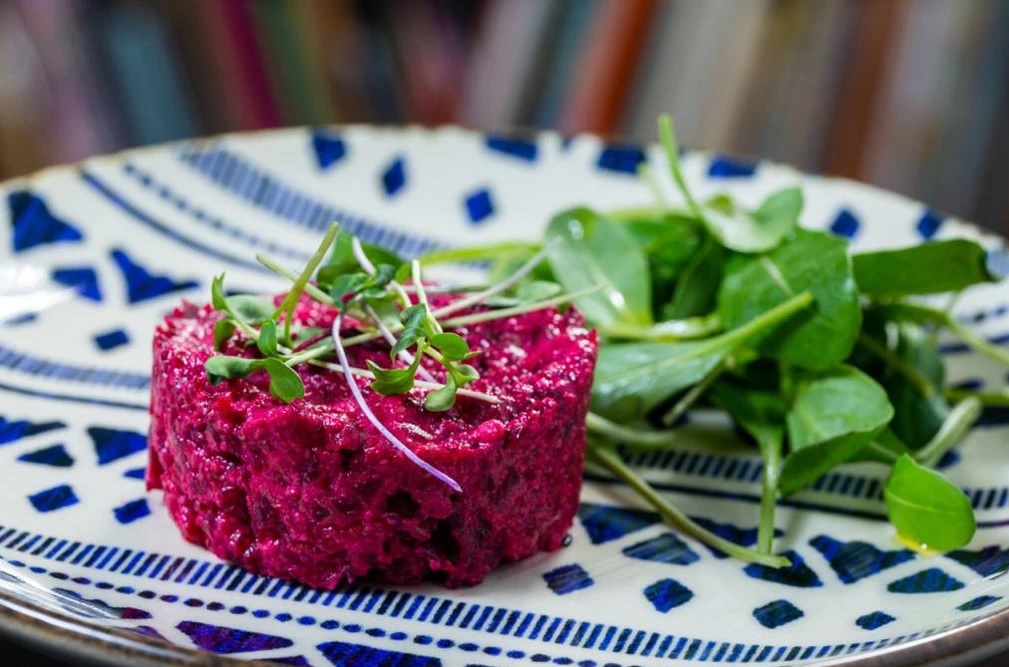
{"x": 341, "y": 354}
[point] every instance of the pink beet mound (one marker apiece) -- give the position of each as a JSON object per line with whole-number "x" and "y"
{"x": 311, "y": 492}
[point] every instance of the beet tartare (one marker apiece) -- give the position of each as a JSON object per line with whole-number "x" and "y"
{"x": 310, "y": 491}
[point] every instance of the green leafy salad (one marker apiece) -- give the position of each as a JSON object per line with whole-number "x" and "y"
{"x": 820, "y": 355}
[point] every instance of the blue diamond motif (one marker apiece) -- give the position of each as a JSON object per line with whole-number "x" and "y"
{"x": 605, "y": 524}
{"x": 479, "y": 205}
{"x": 110, "y": 340}
{"x": 220, "y": 639}
{"x": 34, "y": 225}
{"x": 667, "y": 594}
{"x": 776, "y": 614}
{"x": 876, "y": 619}
{"x": 980, "y": 602}
{"x": 845, "y": 224}
{"x": 853, "y": 561}
{"x": 726, "y": 167}
{"x": 567, "y": 579}
{"x": 622, "y": 159}
{"x": 342, "y": 653}
{"x": 929, "y": 223}
{"x": 135, "y": 473}
{"x": 797, "y": 574}
{"x": 53, "y": 499}
{"x": 83, "y": 278}
{"x": 518, "y": 148}
{"x": 142, "y": 285}
{"x": 932, "y": 580}
{"x": 112, "y": 444}
{"x": 55, "y": 455}
{"x": 394, "y": 177}
{"x": 329, "y": 149}
{"x": 12, "y": 431}
{"x": 666, "y": 548}
{"x": 131, "y": 511}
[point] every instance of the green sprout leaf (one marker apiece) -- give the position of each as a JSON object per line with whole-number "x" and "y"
{"x": 415, "y": 329}
{"x": 285, "y": 383}
{"x": 452, "y": 346}
{"x": 251, "y": 309}
{"x": 928, "y": 511}
{"x": 442, "y": 399}
{"x": 221, "y": 367}
{"x": 217, "y": 297}
{"x": 394, "y": 381}
{"x": 267, "y": 341}
{"x": 224, "y": 329}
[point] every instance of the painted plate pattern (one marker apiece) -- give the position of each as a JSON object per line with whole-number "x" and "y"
{"x": 94, "y": 255}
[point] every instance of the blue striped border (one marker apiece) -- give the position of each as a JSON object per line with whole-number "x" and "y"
{"x": 427, "y": 609}
{"x": 28, "y": 364}
{"x": 257, "y": 187}
{"x": 86, "y": 400}
{"x": 148, "y": 181}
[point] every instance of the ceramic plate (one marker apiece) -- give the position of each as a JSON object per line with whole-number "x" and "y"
{"x": 94, "y": 255}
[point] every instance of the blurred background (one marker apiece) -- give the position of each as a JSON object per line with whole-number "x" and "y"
{"x": 911, "y": 95}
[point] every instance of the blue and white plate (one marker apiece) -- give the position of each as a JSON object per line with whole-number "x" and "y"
{"x": 92, "y": 256}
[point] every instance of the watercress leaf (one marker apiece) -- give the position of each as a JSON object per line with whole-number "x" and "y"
{"x": 267, "y": 341}
{"x": 391, "y": 382}
{"x": 217, "y": 297}
{"x": 696, "y": 290}
{"x": 670, "y": 241}
{"x": 833, "y": 415}
{"x": 442, "y": 399}
{"x": 285, "y": 383}
{"x": 250, "y": 308}
{"x": 345, "y": 286}
{"x": 584, "y": 250}
{"x": 452, "y": 346}
{"x": 759, "y": 413}
{"x": 927, "y": 268}
{"x": 415, "y": 328}
{"x": 884, "y": 448}
{"x": 633, "y": 378}
{"x": 224, "y": 328}
{"x": 227, "y": 367}
{"x": 920, "y": 406}
{"x": 928, "y": 511}
{"x": 383, "y": 274}
{"x": 740, "y": 230}
{"x": 817, "y": 262}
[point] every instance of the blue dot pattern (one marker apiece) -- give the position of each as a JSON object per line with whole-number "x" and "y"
{"x": 110, "y": 340}
{"x": 33, "y": 225}
{"x": 328, "y": 148}
{"x": 928, "y": 224}
{"x": 667, "y": 594}
{"x": 479, "y": 205}
{"x": 517, "y": 148}
{"x": 727, "y": 167}
{"x": 621, "y": 159}
{"x": 776, "y": 614}
{"x": 54, "y": 498}
{"x": 845, "y": 224}
{"x": 131, "y": 511}
{"x": 932, "y": 580}
{"x": 567, "y": 579}
{"x": 876, "y": 619}
{"x": 394, "y": 177}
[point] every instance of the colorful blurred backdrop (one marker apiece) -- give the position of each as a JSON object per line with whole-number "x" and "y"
{"x": 911, "y": 95}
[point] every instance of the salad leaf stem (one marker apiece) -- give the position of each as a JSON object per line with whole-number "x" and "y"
{"x": 693, "y": 394}
{"x": 609, "y": 459}
{"x": 476, "y": 253}
{"x": 419, "y": 384}
{"x": 898, "y": 364}
{"x": 501, "y": 313}
{"x": 287, "y": 274}
{"x": 689, "y": 328}
{"x": 480, "y": 297}
{"x": 639, "y": 440}
{"x": 919, "y": 313}
{"x": 986, "y": 398}
{"x": 291, "y": 298}
{"x": 341, "y": 354}
{"x": 960, "y": 420}
{"x": 770, "y": 451}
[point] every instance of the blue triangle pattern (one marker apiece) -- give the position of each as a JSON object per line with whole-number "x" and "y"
{"x": 221, "y": 639}
{"x": 980, "y": 602}
{"x": 12, "y": 431}
{"x": 667, "y": 594}
{"x": 798, "y": 574}
{"x": 112, "y": 444}
{"x": 343, "y": 653}
{"x": 876, "y": 619}
{"x": 845, "y": 224}
{"x": 777, "y": 613}
{"x": 605, "y": 524}
{"x": 518, "y": 148}
{"x": 135, "y": 473}
{"x": 55, "y": 455}
{"x": 83, "y": 278}
{"x": 853, "y": 561}
{"x": 988, "y": 562}
{"x": 329, "y": 149}
{"x": 666, "y": 548}
{"x": 34, "y": 225}
{"x": 932, "y": 580}
{"x": 727, "y": 167}
{"x": 394, "y": 177}
{"x": 142, "y": 285}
